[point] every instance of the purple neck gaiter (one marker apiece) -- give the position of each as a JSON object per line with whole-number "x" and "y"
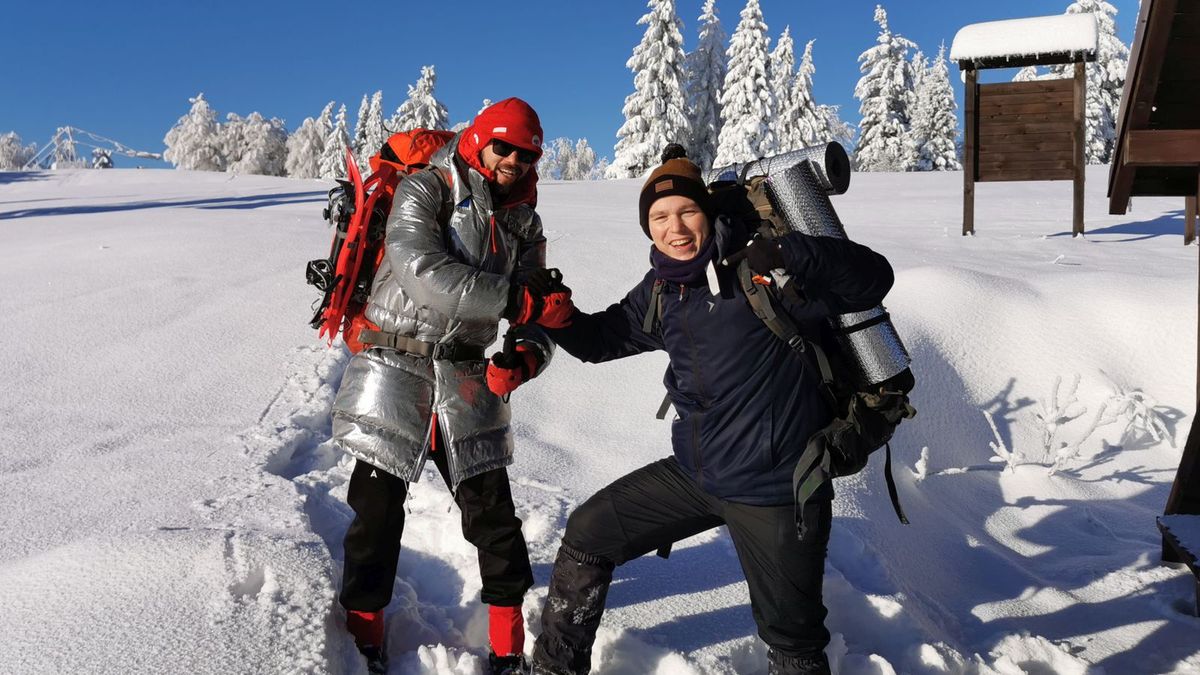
{"x": 682, "y": 271}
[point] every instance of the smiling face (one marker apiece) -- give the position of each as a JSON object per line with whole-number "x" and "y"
{"x": 678, "y": 227}
{"x": 507, "y": 169}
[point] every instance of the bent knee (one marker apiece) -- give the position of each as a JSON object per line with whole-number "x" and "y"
{"x": 593, "y": 529}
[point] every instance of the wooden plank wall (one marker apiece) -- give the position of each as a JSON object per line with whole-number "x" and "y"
{"x": 1025, "y": 131}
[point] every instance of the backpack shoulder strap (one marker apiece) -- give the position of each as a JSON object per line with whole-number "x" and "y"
{"x": 779, "y": 322}
{"x": 653, "y": 308}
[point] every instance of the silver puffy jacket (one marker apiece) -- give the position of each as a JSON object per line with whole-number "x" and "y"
{"x": 443, "y": 283}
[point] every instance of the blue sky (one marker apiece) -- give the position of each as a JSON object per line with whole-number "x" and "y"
{"x": 126, "y": 69}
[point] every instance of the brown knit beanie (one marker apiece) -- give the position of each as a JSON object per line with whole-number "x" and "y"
{"x": 677, "y": 175}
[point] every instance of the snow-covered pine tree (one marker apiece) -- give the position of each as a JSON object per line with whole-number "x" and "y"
{"x": 1105, "y": 80}
{"x": 810, "y": 123}
{"x": 375, "y": 134}
{"x": 583, "y": 162}
{"x": 705, "y": 72}
{"x": 193, "y": 143}
{"x": 421, "y": 110}
{"x": 781, "y": 77}
{"x": 304, "y": 150}
{"x": 655, "y": 113}
{"x": 14, "y": 155}
{"x": 1027, "y": 74}
{"x": 885, "y": 92}
{"x": 747, "y": 104}
{"x": 935, "y": 121}
{"x": 264, "y": 147}
{"x": 360, "y": 133}
{"x": 487, "y": 103}
{"x": 833, "y": 128}
{"x": 333, "y": 157}
{"x": 920, "y": 66}
{"x": 325, "y": 122}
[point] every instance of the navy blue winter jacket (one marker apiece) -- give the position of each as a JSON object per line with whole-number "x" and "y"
{"x": 746, "y": 403}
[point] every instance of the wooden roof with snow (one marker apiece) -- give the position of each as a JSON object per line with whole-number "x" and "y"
{"x": 1034, "y": 41}
{"x": 1158, "y": 139}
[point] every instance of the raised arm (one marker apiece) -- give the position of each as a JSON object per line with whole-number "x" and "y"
{"x": 612, "y": 334}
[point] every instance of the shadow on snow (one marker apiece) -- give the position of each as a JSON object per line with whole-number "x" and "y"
{"x": 247, "y": 202}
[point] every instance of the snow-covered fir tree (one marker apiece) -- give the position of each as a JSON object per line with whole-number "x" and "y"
{"x": 935, "y": 123}
{"x": 376, "y": 134}
{"x": 833, "y": 128}
{"x": 14, "y": 155}
{"x": 747, "y": 104}
{"x": 193, "y": 143}
{"x": 1027, "y": 74}
{"x": 655, "y": 113}
{"x": 705, "y": 72}
{"x": 333, "y": 158}
{"x": 885, "y": 92}
{"x": 781, "y": 77}
{"x": 810, "y": 123}
{"x": 1105, "y": 80}
{"x": 264, "y": 147}
{"x": 421, "y": 110}
{"x": 920, "y": 66}
{"x": 304, "y": 148}
{"x": 359, "y": 144}
{"x": 487, "y": 103}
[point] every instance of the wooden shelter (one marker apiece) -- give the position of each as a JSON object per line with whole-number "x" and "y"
{"x": 1158, "y": 153}
{"x": 1019, "y": 131}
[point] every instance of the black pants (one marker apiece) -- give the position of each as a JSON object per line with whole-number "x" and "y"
{"x": 658, "y": 505}
{"x": 372, "y": 544}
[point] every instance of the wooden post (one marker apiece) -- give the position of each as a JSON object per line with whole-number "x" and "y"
{"x": 970, "y": 149}
{"x": 1080, "y": 138}
{"x": 1189, "y": 223}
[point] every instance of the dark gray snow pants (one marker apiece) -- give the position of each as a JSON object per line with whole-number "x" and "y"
{"x": 658, "y": 505}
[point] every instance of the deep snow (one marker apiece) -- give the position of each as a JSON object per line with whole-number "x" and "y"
{"x": 169, "y": 503}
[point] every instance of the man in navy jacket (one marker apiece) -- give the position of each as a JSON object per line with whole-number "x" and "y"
{"x": 746, "y": 405}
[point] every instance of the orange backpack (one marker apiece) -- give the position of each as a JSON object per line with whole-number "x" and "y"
{"x": 358, "y": 210}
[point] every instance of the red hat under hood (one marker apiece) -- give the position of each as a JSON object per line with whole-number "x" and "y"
{"x": 514, "y": 121}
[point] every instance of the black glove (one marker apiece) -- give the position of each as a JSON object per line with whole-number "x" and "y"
{"x": 763, "y": 255}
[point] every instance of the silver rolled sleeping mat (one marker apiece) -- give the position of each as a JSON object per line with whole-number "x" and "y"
{"x": 798, "y": 186}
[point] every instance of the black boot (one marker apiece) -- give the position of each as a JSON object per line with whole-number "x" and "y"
{"x": 571, "y": 616}
{"x": 507, "y": 665}
{"x": 778, "y": 664}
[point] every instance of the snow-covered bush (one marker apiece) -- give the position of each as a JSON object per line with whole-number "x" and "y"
{"x": 14, "y": 155}
{"x": 1000, "y": 451}
{"x": 304, "y": 147}
{"x": 194, "y": 142}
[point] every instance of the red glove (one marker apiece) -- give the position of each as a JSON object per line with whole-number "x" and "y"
{"x": 557, "y": 309}
{"x": 538, "y": 296}
{"x": 506, "y": 372}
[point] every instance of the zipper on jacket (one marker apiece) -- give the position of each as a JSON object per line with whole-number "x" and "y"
{"x": 699, "y": 382}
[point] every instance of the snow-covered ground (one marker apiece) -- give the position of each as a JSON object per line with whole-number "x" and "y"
{"x": 169, "y": 501}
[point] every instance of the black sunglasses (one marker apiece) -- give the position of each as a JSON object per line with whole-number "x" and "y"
{"x": 504, "y": 149}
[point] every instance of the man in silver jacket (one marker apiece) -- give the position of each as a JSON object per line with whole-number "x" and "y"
{"x": 463, "y": 249}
